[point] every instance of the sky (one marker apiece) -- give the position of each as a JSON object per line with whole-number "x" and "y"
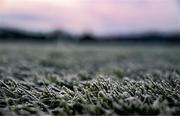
{"x": 95, "y": 16}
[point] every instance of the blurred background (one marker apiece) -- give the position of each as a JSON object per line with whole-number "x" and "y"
{"x": 90, "y": 20}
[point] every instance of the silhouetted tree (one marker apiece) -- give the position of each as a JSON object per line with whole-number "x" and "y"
{"x": 87, "y": 37}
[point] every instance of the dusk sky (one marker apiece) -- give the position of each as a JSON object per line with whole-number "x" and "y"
{"x": 96, "y": 16}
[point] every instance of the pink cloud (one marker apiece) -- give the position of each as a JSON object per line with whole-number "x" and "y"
{"x": 102, "y": 16}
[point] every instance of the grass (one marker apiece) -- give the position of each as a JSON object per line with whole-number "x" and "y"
{"x": 69, "y": 79}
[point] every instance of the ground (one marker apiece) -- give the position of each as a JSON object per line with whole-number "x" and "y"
{"x": 89, "y": 79}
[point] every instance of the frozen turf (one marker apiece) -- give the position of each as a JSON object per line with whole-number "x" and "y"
{"x": 89, "y": 80}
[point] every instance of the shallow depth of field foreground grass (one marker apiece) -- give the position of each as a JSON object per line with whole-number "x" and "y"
{"x": 89, "y": 79}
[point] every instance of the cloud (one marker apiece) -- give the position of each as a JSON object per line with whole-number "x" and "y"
{"x": 178, "y": 2}
{"x": 99, "y": 16}
{"x": 24, "y": 17}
